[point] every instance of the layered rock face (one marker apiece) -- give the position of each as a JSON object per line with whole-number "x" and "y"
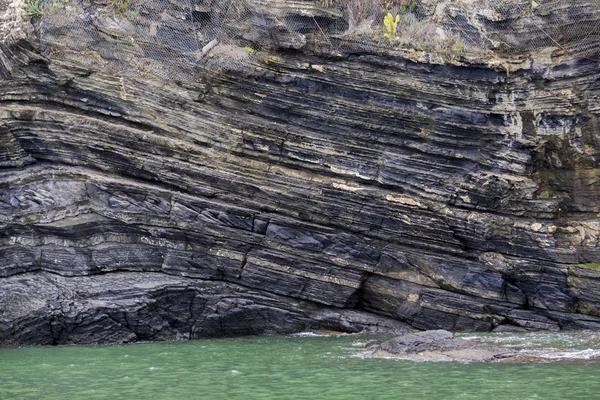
{"x": 361, "y": 190}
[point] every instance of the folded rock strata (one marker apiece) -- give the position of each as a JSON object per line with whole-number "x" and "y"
{"x": 369, "y": 190}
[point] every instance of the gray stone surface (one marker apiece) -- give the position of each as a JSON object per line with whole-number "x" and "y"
{"x": 418, "y": 342}
{"x": 46, "y": 308}
{"x": 368, "y": 192}
{"x": 440, "y": 345}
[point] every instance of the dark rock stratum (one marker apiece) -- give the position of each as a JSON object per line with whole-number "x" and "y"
{"x": 372, "y": 190}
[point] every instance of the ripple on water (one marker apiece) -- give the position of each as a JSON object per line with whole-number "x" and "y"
{"x": 310, "y": 367}
{"x": 580, "y": 345}
{"x": 309, "y": 334}
{"x": 364, "y": 343}
{"x": 587, "y": 354}
{"x": 539, "y": 339}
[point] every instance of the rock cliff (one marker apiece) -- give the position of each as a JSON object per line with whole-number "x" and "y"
{"x": 366, "y": 189}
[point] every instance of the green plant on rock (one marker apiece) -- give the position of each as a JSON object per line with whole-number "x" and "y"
{"x": 409, "y": 7}
{"x": 594, "y": 266}
{"x": 35, "y": 8}
{"x": 405, "y": 5}
{"x": 391, "y": 25}
{"x": 120, "y": 6}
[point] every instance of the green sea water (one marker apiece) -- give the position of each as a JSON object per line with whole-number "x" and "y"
{"x": 293, "y": 367}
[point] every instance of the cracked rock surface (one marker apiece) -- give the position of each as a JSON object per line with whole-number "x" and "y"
{"x": 362, "y": 191}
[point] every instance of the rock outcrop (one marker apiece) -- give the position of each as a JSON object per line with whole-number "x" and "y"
{"x": 358, "y": 190}
{"x": 440, "y": 345}
{"x": 445, "y": 346}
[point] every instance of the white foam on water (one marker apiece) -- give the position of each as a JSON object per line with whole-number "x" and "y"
{"x": 309, "y": 334}
{"x": 537, "y": 343}
{"x": 362, "y": 344}
{"x": 586, "y": 354}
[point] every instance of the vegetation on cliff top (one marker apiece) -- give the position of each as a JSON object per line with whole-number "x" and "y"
{"x": 35, "y": 8}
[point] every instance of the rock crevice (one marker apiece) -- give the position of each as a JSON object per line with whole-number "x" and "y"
{"x": 364, "y": 190}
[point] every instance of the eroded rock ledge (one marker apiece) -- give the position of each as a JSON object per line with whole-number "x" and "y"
{"x": 312, "y": 191}
{"x": 441, "y": 346}
{"x": 444, "y": 346}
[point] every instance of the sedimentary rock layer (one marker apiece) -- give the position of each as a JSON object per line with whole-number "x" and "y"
{"x": 362, "y": 190}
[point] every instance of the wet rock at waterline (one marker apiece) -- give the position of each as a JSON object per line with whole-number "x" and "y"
{"x": 439, "y": 345}
{"x": 445, "y": 346}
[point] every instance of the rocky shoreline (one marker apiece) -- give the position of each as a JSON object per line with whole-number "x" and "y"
{"x": 444, "y": 346}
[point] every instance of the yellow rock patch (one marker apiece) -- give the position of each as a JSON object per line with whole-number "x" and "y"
{"x": 403, "y": 200}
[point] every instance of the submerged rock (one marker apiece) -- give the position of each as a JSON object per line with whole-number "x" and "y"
{"x": 439, "y": 345}
{"x": 444, "y": 346}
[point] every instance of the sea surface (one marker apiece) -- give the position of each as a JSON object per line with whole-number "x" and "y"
{"x": 303, "y": 367}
